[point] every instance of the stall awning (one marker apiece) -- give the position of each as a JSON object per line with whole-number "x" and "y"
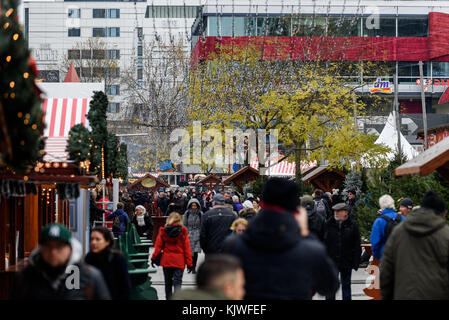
{"x": 444, "y": 97}
{"x": 283, "y": 168}
{"x": 61, "y": 114}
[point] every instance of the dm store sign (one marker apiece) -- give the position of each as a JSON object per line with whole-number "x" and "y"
{"x": 380, "y": 86}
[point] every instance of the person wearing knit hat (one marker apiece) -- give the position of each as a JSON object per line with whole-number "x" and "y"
{"x": 415, "y": 258}
{"x": 316, "y": 222}
{"x": 247, "y": 204}
{"x": 298, "y": 265}
{"x": 46, "y": 276}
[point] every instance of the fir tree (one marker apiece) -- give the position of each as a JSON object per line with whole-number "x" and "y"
{"x": 21, "y": 126}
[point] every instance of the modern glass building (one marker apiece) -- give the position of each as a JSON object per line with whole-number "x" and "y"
{"x": 399, "y": 33}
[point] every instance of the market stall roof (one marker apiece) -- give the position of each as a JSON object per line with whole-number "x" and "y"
{"x": 141, "y": 183}
{"x": 324, "y": 178}
{"x": 444, "y": 97}
{"x": 211, "y": 181}
{"x": 283, "y": 168}
{"x": 434, "y": 158}
{"x": 244, "y": 175}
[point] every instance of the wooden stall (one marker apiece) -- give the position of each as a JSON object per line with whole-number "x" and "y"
{"x": 29, "y": 202}
{"x": 210, "y": 182}
{"x": 324, "y": 178}
{"x": 243, "y": 176}
{"x": 434, "y": 158}
{"x": 147, "y": 183}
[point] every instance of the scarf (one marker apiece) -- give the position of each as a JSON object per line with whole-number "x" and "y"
{"x": 140, "y": 220}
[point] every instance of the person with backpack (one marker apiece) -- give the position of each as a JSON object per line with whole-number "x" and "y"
{"x": 342, "y": 240}
{"x": 192, "y": 221}
{"x": 415, "y": 261}
{"x": 383, "y": 225}
{"x": 321, "y": 205}
{"x": 173, "y": 245}
{"x": 121, "y": 220}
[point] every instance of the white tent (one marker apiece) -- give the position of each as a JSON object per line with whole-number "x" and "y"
{"x": 389, "y": 138}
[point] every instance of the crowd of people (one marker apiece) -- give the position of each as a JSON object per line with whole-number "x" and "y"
{"x": 279, "y": 246}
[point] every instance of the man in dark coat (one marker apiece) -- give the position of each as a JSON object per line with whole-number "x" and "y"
{"x": 316, "y": 222}
{"x": 342, "y": 240}
{"x": 162, "y": 202}
{"x": 419, "y": 249}
{"x": 321, "y": 204}
{"x": 53, "y": 269}
{"x": 96, "y": 213}
{"x": 215, "y": 226}
{"x": 279, "y": 260}
{"x": 351, "y": 202}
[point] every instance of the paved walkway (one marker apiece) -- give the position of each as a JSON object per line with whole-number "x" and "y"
{"x": 188, "y": 281}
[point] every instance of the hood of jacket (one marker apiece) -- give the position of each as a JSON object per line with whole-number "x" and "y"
{"x": 193, "y": 200}
{"x": 422, "y": 222}
{"x": 173, "y": 231}
{"x": 272, "y": 231}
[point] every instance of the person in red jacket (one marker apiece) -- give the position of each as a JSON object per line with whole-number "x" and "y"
{"x": 173, "y": 241}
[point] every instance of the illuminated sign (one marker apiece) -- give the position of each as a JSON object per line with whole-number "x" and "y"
{"x": 435, "y": 82}
{"x": 381, "y": 86}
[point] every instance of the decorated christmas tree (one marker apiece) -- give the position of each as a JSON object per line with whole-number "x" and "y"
{"x": 21, "y": 126}
{"x": 98, "y": 146}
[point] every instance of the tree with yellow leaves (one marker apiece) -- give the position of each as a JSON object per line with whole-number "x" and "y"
{"x": 312, "y": 103}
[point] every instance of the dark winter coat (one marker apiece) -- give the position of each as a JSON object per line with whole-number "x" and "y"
{"x": 415, "y": 260}
{"x": 145, "y": 229}
{"x": 96, "y": 213}
{"x": 192, "y": 221}
{"x": 343, "y": 243}
{"x": 205, "y": 205}
{"x": 114, "y": 268}
{"x": 215, "y": 227}
{"x": 39, "y": 281}
{"x": 316, "y": 224}
{"x": 130, "y": 209}
{"x": 279, "y": 263}
{"x": 174, "y": 241}
{"x": 124, "y": 219}
{"x": 328, "y": 213}
{"x": 162, "y": 203}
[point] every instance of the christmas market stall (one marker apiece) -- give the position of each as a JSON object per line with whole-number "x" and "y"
{"x": 242, "y": 177}
{"x": 324, "y": 178}
{"x": 436, "y": 158}
{"x": 210, "y": 182}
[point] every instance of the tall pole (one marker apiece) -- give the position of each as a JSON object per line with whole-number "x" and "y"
{"x": 423, "y": 104}
{"x": 396, "y": 109}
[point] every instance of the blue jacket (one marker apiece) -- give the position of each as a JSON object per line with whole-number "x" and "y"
{"x": 378, "y": 238}
{"x": 238, "y": 206}
{"x": 123, "y": 217}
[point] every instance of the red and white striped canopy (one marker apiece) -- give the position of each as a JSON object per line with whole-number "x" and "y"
{"x": 140, "y": 175}
{"x": 283, "y": 168}
{"x": 61, "y": 114}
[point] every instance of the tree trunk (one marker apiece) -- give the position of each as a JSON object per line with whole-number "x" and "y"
{"x": 298, "y": 175}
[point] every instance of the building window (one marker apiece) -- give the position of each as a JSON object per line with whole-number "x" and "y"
{"x": 408, "y": 71}
{"x": 27, "y": 23}
{"x": 309, "y": 26}
{"x": 113, "y": 54}
{"x": 86, "y": 54}
{"x": 98, "y": 72}
{"x": 98, "y": 54}
{"x": 114, "y": 72}
{"x": 440, "y": 69}
{"x": 99, "y": 32}
{"x": 114, "y": 107}
{"x": 73, "y": 54}
{"x": 139, "y": 74}
{"x": 346, "y": 27}
{"x": 114, "y": 32}
{"x": 86, "y": 72}
{"x": 113, "y": 90}
{"x": 139, "y": 51}
{"x": 74, "y": 13}
{"x": 387, "y": 28}
{"x": 171, "y": 12}
{"x": 412, "y": 27}
{"x": 98, "y": 13}
{"x": 74, "y": 32}
{"x": 113, "y": 13}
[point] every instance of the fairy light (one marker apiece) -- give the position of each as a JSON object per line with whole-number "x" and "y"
{"x": 9, "y": 12}
{"x": 13, "y": 95}
{"x": 26, "y": 75}
{"x": 6, "y": 25}
{"x": 8, "y": 59}
{"x": 34, "y": 126}
{"x": 25, "y": 121}
{"x": 15, "y": 36}
{"x": 12, "y": 84}
{"x": 102, "y": 163}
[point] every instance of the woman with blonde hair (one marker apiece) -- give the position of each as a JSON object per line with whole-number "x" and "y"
{"x": 239, "y": 226}
{"x": 174, "y": 245}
